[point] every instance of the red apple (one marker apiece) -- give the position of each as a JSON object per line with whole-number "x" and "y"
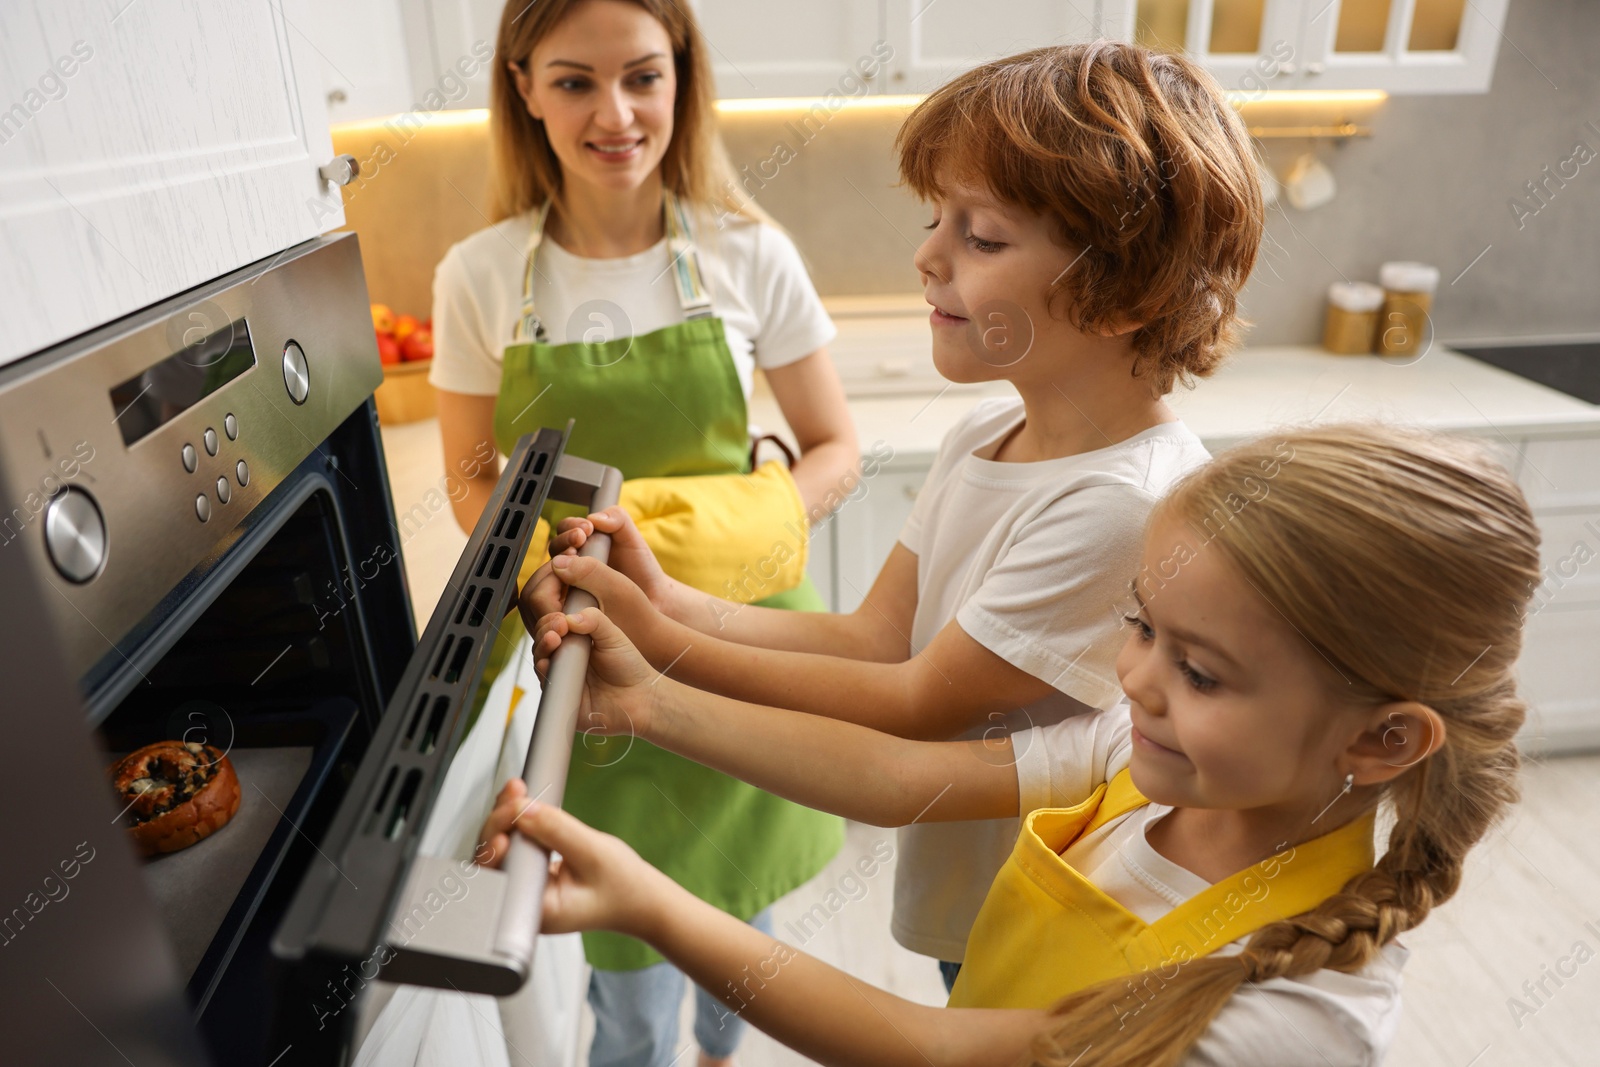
{"x": 382, "y": 318}
{"x": 388, "y": 350}
{"x": 418, "y": 345}
{"x": 403, "y": 326}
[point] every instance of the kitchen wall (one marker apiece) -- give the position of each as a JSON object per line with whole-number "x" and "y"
{"x": 1435, "y": 182}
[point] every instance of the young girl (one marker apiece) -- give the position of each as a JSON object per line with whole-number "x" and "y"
{"x": 1323, "y": 625}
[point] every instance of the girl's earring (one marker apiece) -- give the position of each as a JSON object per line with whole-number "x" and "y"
{"x": 1349, "y": 781}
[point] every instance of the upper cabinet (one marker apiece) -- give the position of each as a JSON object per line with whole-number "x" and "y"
{"x": 150, "y": 147}
{"x": 761, "y": 49}
{"x": 1400, "y": 46}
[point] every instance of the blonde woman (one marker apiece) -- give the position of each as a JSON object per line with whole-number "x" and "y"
{"x": 1324, "y": 626}
{"x": 626, "y": 285}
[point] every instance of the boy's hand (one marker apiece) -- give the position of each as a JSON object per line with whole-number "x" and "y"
{"x": 619, "y": 691}
{"x": 623, "y": 602}
{"x": 630, "y": 555}
{"x": 596, "y": 882}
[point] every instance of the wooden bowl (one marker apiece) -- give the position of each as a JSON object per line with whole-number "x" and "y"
{"x": 406, "y": 395}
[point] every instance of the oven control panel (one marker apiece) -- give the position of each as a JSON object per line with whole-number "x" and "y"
{"x": 136, "y": 450}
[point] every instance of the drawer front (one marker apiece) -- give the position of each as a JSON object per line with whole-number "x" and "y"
{"x": 1570, "y": 557}
{"x": 1562, "y": 472}
{"x": 1560, "y": 678}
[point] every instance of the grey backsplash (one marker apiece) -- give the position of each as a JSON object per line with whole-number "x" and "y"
{"x": 1435, "y": 183}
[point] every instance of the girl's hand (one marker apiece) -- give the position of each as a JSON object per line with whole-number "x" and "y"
{"x": 623, "y": 602}
{"x": 596, "y": 881}
{"x": 630, "y": 555}
{"x": 619, "y": 691}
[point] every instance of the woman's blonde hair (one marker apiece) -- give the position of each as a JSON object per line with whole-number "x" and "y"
{"x": 523, "y": 168}
{"x": 1142, "y": 163}
{"x": 1407, "y": 560}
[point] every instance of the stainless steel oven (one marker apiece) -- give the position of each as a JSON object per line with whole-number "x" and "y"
{"x": 198, "y": 544}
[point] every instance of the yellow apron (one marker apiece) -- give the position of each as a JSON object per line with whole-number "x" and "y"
{"x": 1046, "y": 931}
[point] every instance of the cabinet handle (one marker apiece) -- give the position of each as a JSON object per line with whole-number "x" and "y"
{"x": 340, "y": 170}
{"x": 1287, "y": 67}
{"x": 910, "y": 491}
{"x": 1315, "y": 68}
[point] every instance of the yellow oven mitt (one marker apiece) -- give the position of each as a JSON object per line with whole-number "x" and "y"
{"x": 743, "y": 537}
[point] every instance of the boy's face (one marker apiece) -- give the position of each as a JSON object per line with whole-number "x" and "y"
{"x": 987, "y": 268}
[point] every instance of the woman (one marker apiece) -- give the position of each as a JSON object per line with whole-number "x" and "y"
{"x": 625, "y": 284}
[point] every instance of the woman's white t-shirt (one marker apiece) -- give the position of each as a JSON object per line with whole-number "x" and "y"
{"x": 758, "y": 285}
{"x": 1311, "y": 1021}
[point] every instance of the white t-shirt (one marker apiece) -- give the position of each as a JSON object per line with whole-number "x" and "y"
{"x": 759, "y": 287}
{"x": 1311, "y": 1021}
{"x": 1032, "y": 560}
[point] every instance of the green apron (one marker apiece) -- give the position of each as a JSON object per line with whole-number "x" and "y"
{"x": 666, "y": 403}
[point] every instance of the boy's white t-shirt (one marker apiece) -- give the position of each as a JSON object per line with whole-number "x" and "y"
{"x": 1033, "y": 561}
{"x": 1321, "y": 1018}
{"x": 759, "y": 287}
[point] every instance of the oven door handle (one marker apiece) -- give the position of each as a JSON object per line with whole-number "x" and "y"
{"x": 485, "y": 944}
{"x": 527, "y": 864}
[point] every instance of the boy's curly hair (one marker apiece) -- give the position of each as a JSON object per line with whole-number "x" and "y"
{"x": 1144, "y": 164}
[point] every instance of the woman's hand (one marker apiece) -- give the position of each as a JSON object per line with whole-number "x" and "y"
{"x": 596, "y": 881}
{"x": 630, "y": 555}
{"x": 623, "y": 603}
{"x": 619, "y": 691}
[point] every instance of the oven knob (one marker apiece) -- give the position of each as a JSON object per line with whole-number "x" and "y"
{"x": 296, "y": 375}
{"x": 75, "y": 534}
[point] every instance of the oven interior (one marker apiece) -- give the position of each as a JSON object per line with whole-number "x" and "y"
{"x": 279, "y": 673}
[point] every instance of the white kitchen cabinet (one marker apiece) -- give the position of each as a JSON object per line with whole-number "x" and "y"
{"x": 1400, "y": 46}
{"x": 765, "y": 49}
{"x": 865, "y": 529}
{"x": 359, "y": 48}
{"x": 150, "y": 147}
{"x": 934, "y": 40}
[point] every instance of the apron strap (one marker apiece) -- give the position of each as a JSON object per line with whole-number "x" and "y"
{"x": 692, "y": 295}
{"x": 528, "y": 327}
{"x": 685, "y": 266}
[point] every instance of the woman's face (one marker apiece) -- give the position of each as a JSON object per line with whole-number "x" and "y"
{"x": 603, "y": 83}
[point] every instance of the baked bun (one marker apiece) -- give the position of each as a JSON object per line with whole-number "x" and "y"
{"x": 174, "y": 793}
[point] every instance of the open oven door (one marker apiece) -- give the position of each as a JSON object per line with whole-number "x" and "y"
{"x": 393, "y": 896}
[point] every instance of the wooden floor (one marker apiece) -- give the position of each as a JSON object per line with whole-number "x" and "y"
{"x": 1519, "y": 917}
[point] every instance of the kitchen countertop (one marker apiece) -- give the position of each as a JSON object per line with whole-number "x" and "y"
{"x": 1256, "y": 391}
{"x": 1260, "y": 389}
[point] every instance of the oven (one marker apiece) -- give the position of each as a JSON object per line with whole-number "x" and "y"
{"x": 199, "y": 545}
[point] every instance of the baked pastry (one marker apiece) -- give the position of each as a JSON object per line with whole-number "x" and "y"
{"x": 174, "y": 793}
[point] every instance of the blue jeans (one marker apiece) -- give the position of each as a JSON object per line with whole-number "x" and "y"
{"x": 948, "y": 972}
{"x": 636, "y": 1015}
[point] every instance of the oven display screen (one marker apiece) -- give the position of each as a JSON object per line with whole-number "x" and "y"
{"x": 157, "y": 396}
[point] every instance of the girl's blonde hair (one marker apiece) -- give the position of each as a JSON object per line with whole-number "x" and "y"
{"x": 1407, "y": 560}
{"x": 1142, "y": 163}
{"x": 523, "y": 168}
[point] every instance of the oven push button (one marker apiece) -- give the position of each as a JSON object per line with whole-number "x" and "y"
{"x": 230, "y": 426}
{"x": 202, "y": 507}
{"x": 211, "y": 441}
{"x": 296, "y": 374}
{"x": 224, "y": 490}
{"x": 243, "y": 471}
{"x": 75, "y": 535}
{"x": 191, "y": 459}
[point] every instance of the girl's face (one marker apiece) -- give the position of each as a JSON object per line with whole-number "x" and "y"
{"x": 603, "y": 83}
{"x": 1231, "y": 707}
{"x": 987, "y": 268}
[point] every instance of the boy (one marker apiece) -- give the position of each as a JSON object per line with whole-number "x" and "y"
{"x": 1096, "y": 209}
